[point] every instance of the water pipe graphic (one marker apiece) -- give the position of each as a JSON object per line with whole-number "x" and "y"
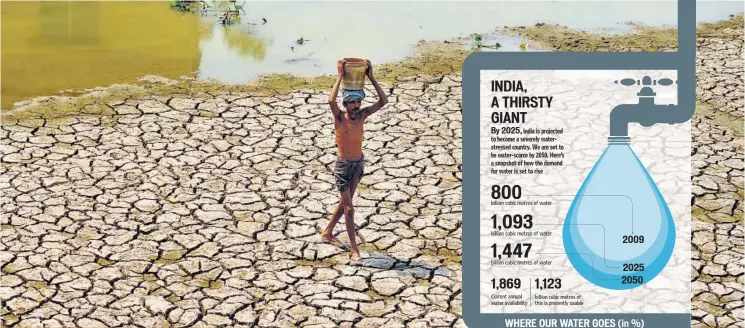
{"x": 619, "y": 233}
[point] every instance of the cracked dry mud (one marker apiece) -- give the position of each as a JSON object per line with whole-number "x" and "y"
{"x": 717, "y": 200}
{"x": 717, "y": 227}
{"x": 720, "y": 71}
{"x": 206, "y": 213}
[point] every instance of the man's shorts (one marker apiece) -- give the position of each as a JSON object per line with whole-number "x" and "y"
{"x": 346, "y": 171}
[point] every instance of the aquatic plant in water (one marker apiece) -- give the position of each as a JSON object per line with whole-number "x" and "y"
{"x": 230, "y": 17}
{"x": 477, "y": 40}
{"x": 180, "y": 5}
{"x": 237, "y": 7}
{"x": 231, "y": 12}
{"x": 189, "y": 5}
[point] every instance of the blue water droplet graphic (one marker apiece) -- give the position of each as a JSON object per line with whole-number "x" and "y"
{"x": 619, "y": 200}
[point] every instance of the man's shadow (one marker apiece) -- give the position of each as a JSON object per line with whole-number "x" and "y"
{"x": 374, "y": 258}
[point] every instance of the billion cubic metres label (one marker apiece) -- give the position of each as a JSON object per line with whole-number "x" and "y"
{"x": 572, "y": 221}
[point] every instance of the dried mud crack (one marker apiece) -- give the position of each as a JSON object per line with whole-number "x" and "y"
{"x": 207, "y": 212}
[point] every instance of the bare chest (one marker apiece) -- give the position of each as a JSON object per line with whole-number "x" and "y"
{"x": 347, "y": 126}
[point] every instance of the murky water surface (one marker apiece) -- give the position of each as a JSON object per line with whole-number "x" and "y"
{"x": 52, "y": 46}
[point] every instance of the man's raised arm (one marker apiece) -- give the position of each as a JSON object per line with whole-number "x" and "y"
{"x": 382, "y": 98}
{"x": 335, "y": 91}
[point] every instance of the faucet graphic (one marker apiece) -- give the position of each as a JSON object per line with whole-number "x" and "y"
{"x": 619, "y": 218}
{"x": 645, "y": 112}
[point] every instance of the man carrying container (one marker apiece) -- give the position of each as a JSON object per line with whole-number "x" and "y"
{"x": 349, "y": 166}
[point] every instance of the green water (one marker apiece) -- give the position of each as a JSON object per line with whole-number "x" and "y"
{"x": 48, "y": 47}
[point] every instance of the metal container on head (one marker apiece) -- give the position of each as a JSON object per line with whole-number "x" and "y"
{"x": 354, "y": 74}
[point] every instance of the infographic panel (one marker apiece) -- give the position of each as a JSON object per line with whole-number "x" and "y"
{"x": 584, "y": 193}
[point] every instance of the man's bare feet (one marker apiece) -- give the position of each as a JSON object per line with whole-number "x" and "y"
{"x": 330, "y": 238}
{"x": 333, "y": 240}
{"x": 355, "y": 256}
